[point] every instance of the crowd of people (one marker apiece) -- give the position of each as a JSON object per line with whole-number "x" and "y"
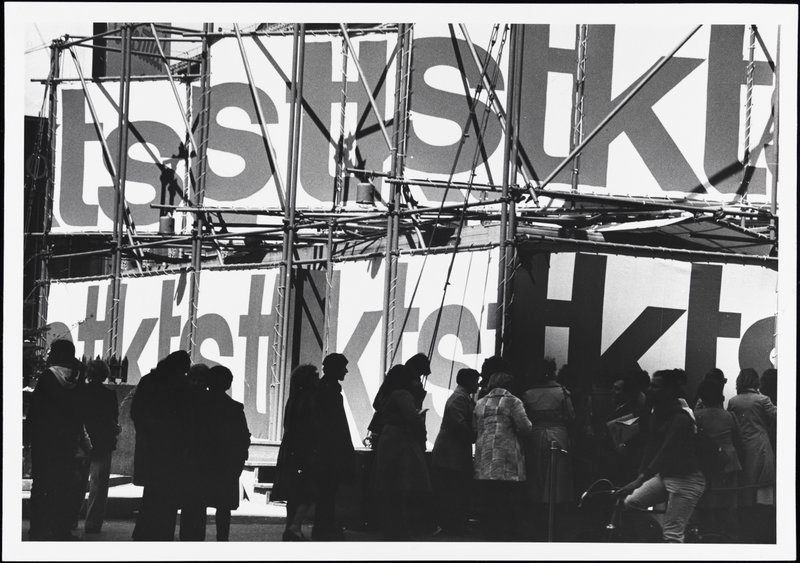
{"x": 512, "y": 449}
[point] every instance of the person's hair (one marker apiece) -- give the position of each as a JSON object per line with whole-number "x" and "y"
{"x": 334, "y": 360}
{"x": 710, "y": 392}
{"x": 492, "y": 365}
{"x": 398, "y": 377}
{"x": 220, "y": 378}
{"x": 199, "y": 374}
{"x": 419, "y": 363}
{"x": 97, "y": 371}
{"x": 768, "y": 384}
{"x": 716, "y": 375}
{"x": 673, "y": 378}
{"x": 549, "y": 368}
{"x": 748, "y": 379}
{"x": 177, "y": 363}
{"x": 61, "y": 352}
{"x": 467, "y": 376}
{"x": 502, "y": 380}
{"x": 303, "y": 378}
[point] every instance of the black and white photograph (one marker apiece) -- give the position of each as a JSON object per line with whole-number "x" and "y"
{"x": 445, "y": 281}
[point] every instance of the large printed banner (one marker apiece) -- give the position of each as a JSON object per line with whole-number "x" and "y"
{"x": 683, "y": 132}
{"x": 599, "y": 313}
{"x": 602, "y": 314}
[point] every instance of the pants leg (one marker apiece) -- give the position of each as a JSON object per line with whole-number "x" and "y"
{"x": 99, "y": 472}
{"x": 223, "y": 523}
{"x": 193, "y": 523}
{"x": 684, "y": 493}
{"x": 325, "y": 509}
{"x": 649, "y": 494}
{"x": 157, "y": 517}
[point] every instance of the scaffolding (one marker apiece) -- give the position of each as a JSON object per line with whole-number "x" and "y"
{"x": 342, "y": 232}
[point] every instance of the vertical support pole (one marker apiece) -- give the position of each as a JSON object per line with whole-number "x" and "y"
{"x": 577, "y": 106}
{"x": 44, "y": 245}
{"x": 748, "y": 110}
{"x": 392, "y": 220}
{"x": 774, "y": 199}
{"x": 341, "y": 172}
{"x": 113, "y": 351}
{"x": 504, "y": 206}
{"x": 287, "y": 263}
{"x": 326, "y": 329}
{"x": 202, "y": 164}
{"x": 551, "y": 505}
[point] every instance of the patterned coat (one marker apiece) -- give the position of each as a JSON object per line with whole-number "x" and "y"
{"x": 500, "y": 421}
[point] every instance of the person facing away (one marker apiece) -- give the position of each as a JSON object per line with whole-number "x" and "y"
{"x": 755, "y": 415}
{"x": 549, "y": 408}
{"x": 335, "y": 455}
{"x": 717, "y": 507}
{"x": 500, "y": 423}
{"x": 400, "y": 468}
{"x": 714, "y": 374}
{"x": 228, "y": 440}
{"x": 294, "y": 482}
{"x": 670, "y": 469}
{"x": 101, "y": 412}
{"x": 452, "y": 454}
{"x": 160, "y": 455}
{"x": 194, "y": 408}
{"x": 768, "y": 385}
{"x": 57, "y": 432}
{"x": 491, "y": 366}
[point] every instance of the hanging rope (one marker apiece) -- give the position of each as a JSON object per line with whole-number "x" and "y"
{"x": 478, "y": 89}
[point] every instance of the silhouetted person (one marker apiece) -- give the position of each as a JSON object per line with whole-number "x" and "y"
{"x": 490, "y": 366}
{"x": 160, "y": 457}
{"x": 714, "y": 374}
{"x": 335, "y": 452}
{"x": 768, "y": 385}
{"x": 56, "y": 435}
{"x": 101, "y": 413}
{"x": 452, "y": 454}
{"x": 294, "y": 482}
{"x": 228, "y": 444}
{"x": 400, "y": 469}
{"x": 194, "y": 409}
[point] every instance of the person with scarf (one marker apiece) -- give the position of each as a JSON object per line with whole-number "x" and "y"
{"x": 670, "y": 469}
{"x": 57, "y": 436}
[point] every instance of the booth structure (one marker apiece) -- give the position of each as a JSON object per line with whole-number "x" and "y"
{"x": 267, "y": 194}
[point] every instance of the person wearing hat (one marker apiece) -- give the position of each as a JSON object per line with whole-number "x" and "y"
{"x": 56, "y": 436}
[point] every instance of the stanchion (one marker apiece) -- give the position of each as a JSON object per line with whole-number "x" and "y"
{"x": 551, "y": 509}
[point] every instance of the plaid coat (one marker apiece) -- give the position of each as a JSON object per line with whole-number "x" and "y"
{"x": 500, "y": 420}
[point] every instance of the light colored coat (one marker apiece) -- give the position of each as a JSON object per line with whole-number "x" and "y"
{"x": 755, "y": 415}
{"x": 500, "y": 421}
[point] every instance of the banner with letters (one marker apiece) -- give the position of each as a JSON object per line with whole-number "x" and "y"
{"x": 599, "y": 313}
{"x": 683, "y": 132}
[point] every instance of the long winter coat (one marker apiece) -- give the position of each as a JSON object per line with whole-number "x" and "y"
{"x": 334, "y": 445}
{"x": 550, "y": 410}
{"x": 755, "y": 415}
{"x": 228, "y": 440}
{"x": 453, "y": 447}
{"x": 298, "y": 450}
{"x": 721, "y": 427}
{"x": 500, "y": 423}
{"x": 400, "y": 455}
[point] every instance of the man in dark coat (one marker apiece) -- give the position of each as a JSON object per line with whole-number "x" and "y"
{"x": 160, "y": 457}
{"x": 335, "y": 452}
{"x": 228, "y": 443}
{"x": 56, "y": 436}
{"x": 102, "y": 424}
{"x": 452, "y": 454}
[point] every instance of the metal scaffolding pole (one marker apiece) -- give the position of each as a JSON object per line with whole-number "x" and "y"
{"x": 577, "y": 106}
{"x": 326, "y": 327}
{"x": 44, "y": 251}
{"x": 114, "y": 350}
{"x": 202, "y": 166}
{"x": 295, "y": 128}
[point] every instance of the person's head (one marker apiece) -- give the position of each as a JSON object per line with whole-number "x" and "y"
{"x": 97, "y": 371}
{"x": 176, "y": 364}
{"x": 199, "y": 376}
{"x": 716, "y": 375}
{"x": 303, "y": 378}
{"x": 623, "y": 390}
{"x": 768, "y": 384}
{"x": 468, "y": 379}
{"x": 220, "y": 379}
{"x": 641, "y": 381}
{"x": 335, "y": 365}
{"x": 62, "y": 353}
{"x": 419, "y": 364}
{"x": 501, "y": 380}
{"x": 398, "y": 377}
{"x": 748, "y": 379}
{"x": 666, "y": 385}
{"x": 710, "y": 392}
{"x": 492, "y": 365}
